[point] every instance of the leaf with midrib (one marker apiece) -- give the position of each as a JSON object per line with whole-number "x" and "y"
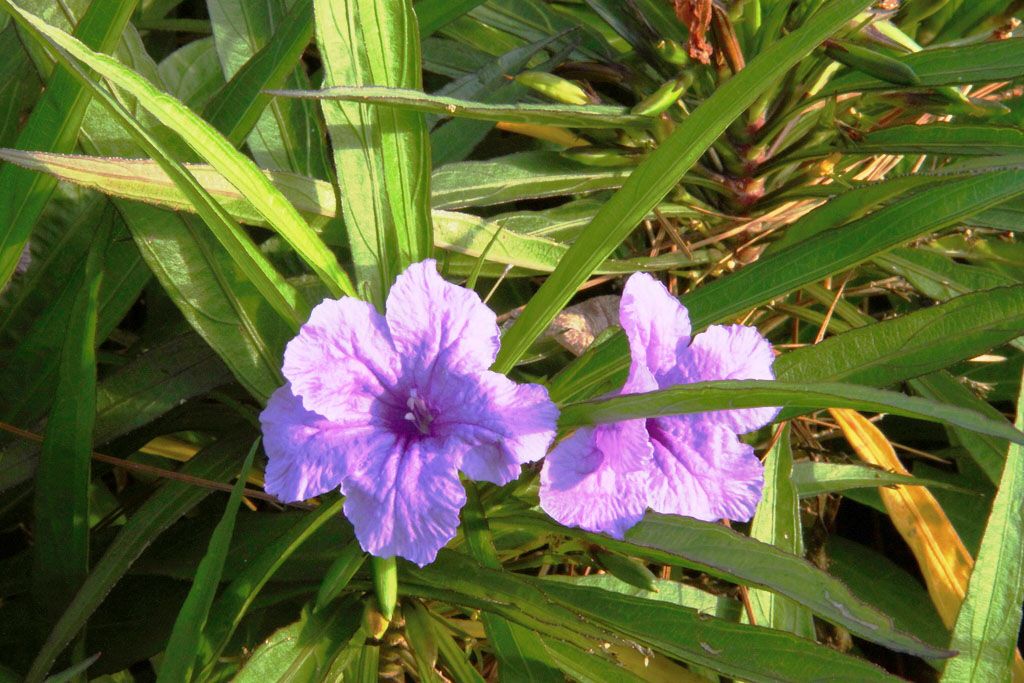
{"x": 561, "y": 115}
{"x": 700, "y": 397}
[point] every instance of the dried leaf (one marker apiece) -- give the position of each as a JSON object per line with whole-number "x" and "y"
{"x": 696, "y": 14}
{"x": 576, "y": 327}
{"x": 917, "y": 515}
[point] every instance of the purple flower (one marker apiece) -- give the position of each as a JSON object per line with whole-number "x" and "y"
{"x": 390, "y": 407}
{"x": 604, "y": 478}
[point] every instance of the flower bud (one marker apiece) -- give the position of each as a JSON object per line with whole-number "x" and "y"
{"x": 554, "y": 87}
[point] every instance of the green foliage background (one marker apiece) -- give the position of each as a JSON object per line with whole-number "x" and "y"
{"x": 183, "y": 180}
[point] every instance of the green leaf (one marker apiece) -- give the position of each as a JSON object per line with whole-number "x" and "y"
{"x": 61, "y": 550}
{"x": 553, "y": 607}
{"x": 986, "y": 629}
{"x": 660, "y": 172}
{"x": 561, "y": 115}
{"x": 738, "y": 650}
{"x": 224, "y": 307}
{"x": 996, "y": 60}
{"x": 191, "y": 73}
{"x": 586, "y": 667}
{"x": 455, "y": 139}
{"x": 350, "y": 559}
{"x": 52, "y": 126}
{"x": 382, "y": 156}
{"x": 729, "y": 394}
{"x": 462, "y": 233}
{"x": 939, "y": 277}
{"x": 721, "y": 552}
{"x": 419, "y": 629}
{"x": 881, "y": 582}
{"x": 237, "y": 107}
{"x": 266, "y": 40}
{"x": 175, "y": 369}
{"x": 207, "y": 143}
{"x": 814, "y": 478}
{"x": 39, "y": 313}
{"x": 526, "y": 175}
{"x": 180, "y": 655}
{"x": 777, "y": 521}
{"x": 456, "y": 661}
{"x": 303, "y": 651}
{"x": 941, "y": 139}
{"x": 235, "y": 600}
{"x": 988, "y": 453}
{"x": 433, "y": 14}
{"x": 216, "y": 462}
{"x": 520, "y": 652}
{"x": 825, "y": 254}
{"x": 911, "y": 345}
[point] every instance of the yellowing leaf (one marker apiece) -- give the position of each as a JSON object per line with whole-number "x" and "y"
{"x": 917, "y": 516}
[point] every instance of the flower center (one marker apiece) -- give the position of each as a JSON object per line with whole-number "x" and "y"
{"x": 419, "y": 414}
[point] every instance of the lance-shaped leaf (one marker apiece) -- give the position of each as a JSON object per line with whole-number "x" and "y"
{"x": 382, "y": 155}
{"x": 996, "y": 60}
{"x": 731, "y": 394}
{"x": 987, "y": 626}
{"x": 777, "y": 521}
{"x": 144, "y": 180}
{"x": 61, "y": 553}
{"x": 721, "y": 552}
{"x": 564, "y": 116}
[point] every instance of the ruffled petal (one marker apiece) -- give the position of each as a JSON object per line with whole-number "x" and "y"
{"x": 707, "y": 474}
{"x": 729, "y": 352}
{"x": 405, "y": 499}
{"x": 342, "y": 362}
{"x": 596, "y": 479}
{"x": 438, "y": 325}
{"x": 657, "y": 325}
{"x": 496, "y": 424}
{"x": 307, "y": 453}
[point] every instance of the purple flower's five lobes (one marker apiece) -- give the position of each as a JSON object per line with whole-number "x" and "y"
{"x": 389, "y": 408}
{"x": 604, "y": 478}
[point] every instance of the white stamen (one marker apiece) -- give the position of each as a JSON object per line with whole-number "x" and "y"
{"x": 409, "y": 416}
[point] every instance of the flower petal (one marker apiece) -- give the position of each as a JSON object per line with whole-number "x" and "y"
{"x": 404, "y": 499}
{"x": 729, "y": 352}
{"x": 707, "y": 474}
{"x": 596, "y": 479}
{"x": 496, "y": 424}
{"x": 306, "y": 451}
{"x": 342, "y": 360}
{"x": 436, "y": 323}
{"x": 657, "y": 325}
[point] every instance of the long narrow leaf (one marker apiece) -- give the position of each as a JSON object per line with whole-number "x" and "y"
{"x": 382, "y": 156}
{"x": 61, "y": 559}
{"x": 777, "y": 521}
{"x": 180, "y": 656}
{"x": 987, "y": 626}
{"x": 567, "y": 116}
{"x": 728, "y": 394}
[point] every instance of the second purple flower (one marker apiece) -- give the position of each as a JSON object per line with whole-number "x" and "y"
{"x": 604, "y": 478}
